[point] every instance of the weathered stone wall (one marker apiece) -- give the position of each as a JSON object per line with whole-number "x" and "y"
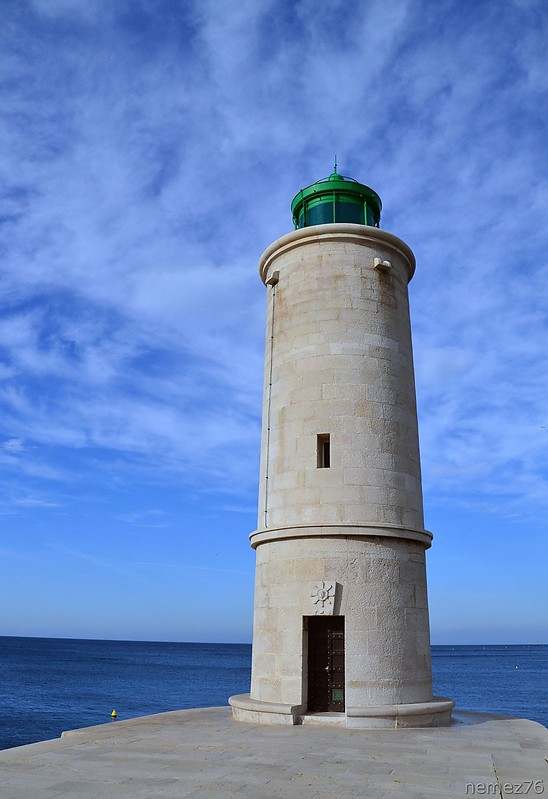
{"x": 340, "y": 363}
{"x": 381, "y": 592}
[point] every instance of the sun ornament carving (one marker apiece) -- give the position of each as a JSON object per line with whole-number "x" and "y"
{"x": 322, "y": 595}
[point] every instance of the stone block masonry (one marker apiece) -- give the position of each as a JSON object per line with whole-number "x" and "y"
{"x": 340, "y": 498}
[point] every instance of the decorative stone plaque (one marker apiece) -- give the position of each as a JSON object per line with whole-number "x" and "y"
{"x": 322, "y": 598}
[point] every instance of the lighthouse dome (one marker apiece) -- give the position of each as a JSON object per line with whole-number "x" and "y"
{"x": 336, "y": 198}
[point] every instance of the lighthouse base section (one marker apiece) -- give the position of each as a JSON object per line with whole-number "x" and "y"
{"x": 436, "y": 713}
{"x": 341, "y": 622}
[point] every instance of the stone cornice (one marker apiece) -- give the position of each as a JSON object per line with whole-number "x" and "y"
{"x": 357, "y": 234}
{"x": 340, "y": 530}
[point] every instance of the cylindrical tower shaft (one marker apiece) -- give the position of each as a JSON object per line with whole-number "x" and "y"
{"x": 339, "y": 363}
{"x": 341, "y": 615}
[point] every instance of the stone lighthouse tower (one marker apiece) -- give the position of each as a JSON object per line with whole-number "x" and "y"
{"x": 341, "y": 627}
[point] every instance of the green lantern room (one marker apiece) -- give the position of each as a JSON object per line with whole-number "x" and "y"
{"x": 336, "y": 199}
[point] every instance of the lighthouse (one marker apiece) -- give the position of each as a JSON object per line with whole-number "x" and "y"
{"x": 341, "y": 628}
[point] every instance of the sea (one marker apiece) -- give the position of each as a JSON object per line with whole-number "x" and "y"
{"x": 48, "y": 685}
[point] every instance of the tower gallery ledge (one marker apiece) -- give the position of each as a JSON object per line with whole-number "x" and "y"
{"x": 336, "y": 233}
{"x": 340, "y": 530}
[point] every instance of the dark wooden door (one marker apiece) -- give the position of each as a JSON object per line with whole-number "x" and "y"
{"x": 325, "y": 663}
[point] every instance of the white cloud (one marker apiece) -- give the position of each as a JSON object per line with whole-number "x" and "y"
{"x": 13, "y": 446}
{"x": 34, "y": 502}
{"x": 144, "y": 181}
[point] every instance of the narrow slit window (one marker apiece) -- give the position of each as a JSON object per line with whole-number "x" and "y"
{"x": 324, "y": 451}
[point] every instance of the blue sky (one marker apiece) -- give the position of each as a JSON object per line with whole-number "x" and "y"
{"x": 149, "y": 153}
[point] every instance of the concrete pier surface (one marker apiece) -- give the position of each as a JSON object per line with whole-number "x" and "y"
{"x": 205, "y": 754}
